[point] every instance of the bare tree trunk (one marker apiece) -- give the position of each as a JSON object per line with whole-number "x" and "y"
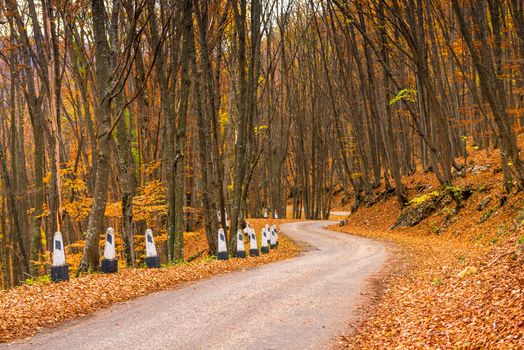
{"x": 180, "y": 193}
{"x": 248, "y": 82}
{"x": 90, "y": 257}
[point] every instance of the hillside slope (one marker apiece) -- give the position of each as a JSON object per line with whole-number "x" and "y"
{"x": 458, "y": 281}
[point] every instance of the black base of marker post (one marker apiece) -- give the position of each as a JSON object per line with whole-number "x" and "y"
{"x": 222, "y": 256}
{"x": 253, "y": 252}
{"x": 109, "y": 266}
{"x": 240, "y": 254}
{"x": 153, "y": 262}
{"x": 264, "y": 250}
{"x": 60, "y": 273}
{"x": 273, "y": 246}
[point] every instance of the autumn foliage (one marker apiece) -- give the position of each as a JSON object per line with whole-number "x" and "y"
{"x": 41, "y": 303}
{"x": 455, "y": 280}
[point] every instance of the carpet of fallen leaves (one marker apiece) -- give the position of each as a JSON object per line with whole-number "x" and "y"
{"x": 421, "y": 301}
{"x": 26, "y": 309}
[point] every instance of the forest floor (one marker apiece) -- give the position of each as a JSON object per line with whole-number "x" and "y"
{"x": 458, "y": 278}
{"x": 26, "y": 309}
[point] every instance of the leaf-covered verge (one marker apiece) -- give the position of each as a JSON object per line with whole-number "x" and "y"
{"x": 460, "y": 283}
{"x": 28, "y": 308}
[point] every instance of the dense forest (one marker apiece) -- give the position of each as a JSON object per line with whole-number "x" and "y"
{"x": 160, "y": 114}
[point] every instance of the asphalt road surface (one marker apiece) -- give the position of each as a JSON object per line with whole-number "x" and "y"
{"x": 300, "y": 303}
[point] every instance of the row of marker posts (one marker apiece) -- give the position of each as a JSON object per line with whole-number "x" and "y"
{"x": 60, "y": 269}
{"x": 269, "y": 241}
{"x": 265, "y": 213}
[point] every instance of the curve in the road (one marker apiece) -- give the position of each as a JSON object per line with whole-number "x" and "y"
{"x": 300, "y": 303}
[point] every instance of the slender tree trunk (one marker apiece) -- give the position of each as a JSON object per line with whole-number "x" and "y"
{"x": 90, "y": 257}
{"x": 180, "y": 192}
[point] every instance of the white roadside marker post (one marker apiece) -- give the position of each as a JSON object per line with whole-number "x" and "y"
{"x": 276, "y": 214}
{"x": 273, "y": 237}
{"x": 222, "y": 246}
{"x": 60, "y": 269}
{"x": 264, "y": 248}
{"x": 253, "y": 246}
{"x": 152, "y": 258}
{"x": 247, "y": 230}
{"x": 110, "y": 262}
{"x": 268, "y": 235}
{"x": 276, "y": 234}
{"x": 241, "y": 252}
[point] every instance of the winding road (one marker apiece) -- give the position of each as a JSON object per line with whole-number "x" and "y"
{"x": 300, "y": 303}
